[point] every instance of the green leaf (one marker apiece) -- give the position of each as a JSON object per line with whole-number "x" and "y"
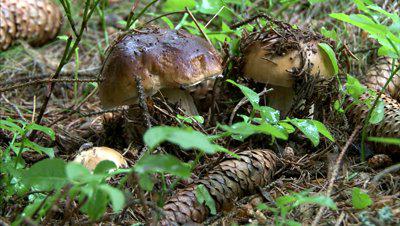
{"x": 77, "y": 172}
{"x": 116, "y": 196}
{"x": 40, "y": 149}
{"x": 97, "y": 203}
{"x": 104, "y": 167}
{"x": 186, "y": 138}
{"x": 360, "y": 199}
{"x": 354, "y": 87}
{"x": 203, "y": 195}
{"x": 269, "y": 114}
{"x": 48, "y": 131}
{"x": 46, "y": 175}
{"x": 320, "y": 200}
{"x": 11, "y": 126}
{"x": 386, "y": 140}
{"x": 250, "y": 94}
{"x": 162, "y": 163}
{"x": 308, "y": 128}
{"x": 378, "y": 113}
{"x": 329, "y": 33}
{"x": 332, "y": 57}
{"x": 177, "y": 5}
{"x": 323, "y": 130}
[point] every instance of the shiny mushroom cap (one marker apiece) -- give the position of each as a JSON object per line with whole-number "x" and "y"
{"x": 92, "y": 157}
{"x": 162, "y": 58}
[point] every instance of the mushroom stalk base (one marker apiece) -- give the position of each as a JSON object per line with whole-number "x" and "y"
{"x": 281, "y": 98}
{"x": 181, "y": 97}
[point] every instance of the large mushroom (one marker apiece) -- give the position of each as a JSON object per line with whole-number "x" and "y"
{"x": 283, "y": 61}
{"x": 166, "y": 60}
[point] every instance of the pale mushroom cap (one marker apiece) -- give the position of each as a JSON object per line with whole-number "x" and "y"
{"x": 275, "y": 70}
{"x": 163, "y": 59}
{"x": 92, "y": 157}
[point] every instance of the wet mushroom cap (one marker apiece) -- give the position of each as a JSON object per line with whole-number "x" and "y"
{"x": 162, "y": 58}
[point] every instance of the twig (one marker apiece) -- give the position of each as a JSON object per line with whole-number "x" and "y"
{"x": 48, "y": 80}
{"x": 385, "y": 171}
{"x": 15, "y": 107}
{"x": 335, "y": 172}
{"x": 132, "y": 20}
{"x": 244, "y": 101}
{"x": 219, "y": 11}
{"x": 197, "y": 25}
{"x": 161, "y": 16}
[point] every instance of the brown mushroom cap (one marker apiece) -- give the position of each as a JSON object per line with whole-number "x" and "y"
{"x": 92, "y": 157}
{"x": 163, "y": 59}
{"x": 262, "y": 66}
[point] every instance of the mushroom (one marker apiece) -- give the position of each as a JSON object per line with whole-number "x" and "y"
{"x": 168, "y": 61}
{"x": 278, "y": 62}
{"x": 92, "y": 157}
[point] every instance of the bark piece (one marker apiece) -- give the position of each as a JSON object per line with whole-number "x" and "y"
{"x": 230, "y": 180}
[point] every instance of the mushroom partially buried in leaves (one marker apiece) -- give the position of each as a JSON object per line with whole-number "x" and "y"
{"x": 166, "y": 60}
{"x": 92, "y": 157}
{"x": 290, "y": 62}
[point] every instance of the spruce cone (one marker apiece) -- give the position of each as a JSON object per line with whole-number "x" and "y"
{"x": 388, "y": 127}
{"x": 378, "y": 75}
{"x": 36, "y": 21}
{"x": 230, "y": 180}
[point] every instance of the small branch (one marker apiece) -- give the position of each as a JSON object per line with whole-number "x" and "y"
{"x": 335, "y": 172}
{"x": 161, "y": 16}
{"x": 15, "y": 107}
{"x": 197, "y": 25}
{"x": 390, "y": 169}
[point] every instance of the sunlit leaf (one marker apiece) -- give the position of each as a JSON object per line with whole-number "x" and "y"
{"x": 203, "y": 195}
{"x": 378, "y": 113}
{"x": 46, "y": 175}
{"x": 327, "y": 49}
{"x": 360, "y": 199}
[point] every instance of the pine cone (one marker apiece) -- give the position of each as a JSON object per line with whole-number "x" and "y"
{"x": 388, "y": 127}
{"x": 230, "y": 180}
{"x": 36, "y": 21}
{"x": 380, "y": 161}
{"x": 378, "y": 75}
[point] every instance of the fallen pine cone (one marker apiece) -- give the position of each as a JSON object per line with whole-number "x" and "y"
{"x": 380, "y": 161}
{"x": 230, "y": 180}
{"x": 378, "y": 75}
{"x": 36, "y": 21}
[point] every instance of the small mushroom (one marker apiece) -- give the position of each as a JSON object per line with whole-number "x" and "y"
{"x": 92, "y": 157}
{"x": 168, "y": 61}
{"x": 278, "y": 62}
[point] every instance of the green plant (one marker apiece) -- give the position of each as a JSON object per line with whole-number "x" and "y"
{"x": 284, "y": 205}
{"x": 384, "y": 28}
{"x": 360, "y": 199}
{"x": 266, "y": 120}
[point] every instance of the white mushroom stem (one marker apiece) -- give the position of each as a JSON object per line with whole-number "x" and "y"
{"x": 181, "y": 97}
{"x": 281, "y": 98}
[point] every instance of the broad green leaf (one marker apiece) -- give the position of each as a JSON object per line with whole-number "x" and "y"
{"x": 11, "y": 126}
{"x": 77, "y": 172}
{"x": 329, "y": 33}
{"x": 177, "y": 5}
{"x": 378, "y": 113}
{"x": 386, "y": 140}
{"x": 293, "y": 223}
{"x": 250, "y": 94}
{"x": 162, "y": 163}
{"x": 209, "y": 6}
{"x": 116, "y": 196}
{"x": 46, "y": 175}
{"x": 323, "y": 130}
{"x": 203, "y": 195}
{"x": 104, "y": 167}
{"x": 186, "y": 138}
{"x": 354, "y": 87}
{"x": 308, "y": 128}
{"x": 269, "y": 114}
{"x": 327, "y": 49}
{"x": 360, "y": 199}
